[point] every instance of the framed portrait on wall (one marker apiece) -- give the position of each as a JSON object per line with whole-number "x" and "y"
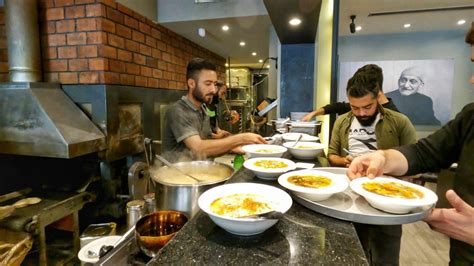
{"x": 421, "y": 89}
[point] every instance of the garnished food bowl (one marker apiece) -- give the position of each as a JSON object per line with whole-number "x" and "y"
{"x": 304, "y": 150}
{"x": 227, "y": 204}
{"x": 293, "y": 136}
{"x": 269, "y": 168}
{"x": 313, "y": 184}
{"x": 263, "y": 150}
{"x": 393, "y": 195}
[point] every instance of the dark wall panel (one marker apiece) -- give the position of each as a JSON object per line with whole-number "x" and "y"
{"x": 297, "y": 78}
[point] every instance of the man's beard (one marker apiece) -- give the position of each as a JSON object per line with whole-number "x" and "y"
{"x": 197, "y": 93}
{"x": 367, "y": 120}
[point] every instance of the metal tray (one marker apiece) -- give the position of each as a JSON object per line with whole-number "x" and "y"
{"x": 349, "y": 206}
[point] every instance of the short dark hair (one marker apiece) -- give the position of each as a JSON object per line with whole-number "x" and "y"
{"x": 196, "y": 65}
{"x": 220, "y": 84}
{"x": 361, "y": 87}
{"x": 470, "y": 35}
{"x": 367, "y": 73}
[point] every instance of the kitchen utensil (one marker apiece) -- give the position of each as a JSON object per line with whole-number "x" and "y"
{"x": 154, "y": 230}
{"x": 265, "y": 215}
{"x": 297, "y": 140}
{"x": 7, "y": 210}
{"x": 162, "y": 159}
{"x": 135, "y": 211}
{"x": 173, "y": 193}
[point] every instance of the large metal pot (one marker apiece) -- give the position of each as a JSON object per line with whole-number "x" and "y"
{"x": 174, "y": 191}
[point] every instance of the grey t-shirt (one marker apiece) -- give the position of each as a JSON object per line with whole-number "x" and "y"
{"x": 183, "y": 120}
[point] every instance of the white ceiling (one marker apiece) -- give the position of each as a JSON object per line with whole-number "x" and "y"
{"x": 254, "y": 30}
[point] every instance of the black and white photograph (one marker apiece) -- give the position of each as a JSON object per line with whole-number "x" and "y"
{"x": 421, "y": 89}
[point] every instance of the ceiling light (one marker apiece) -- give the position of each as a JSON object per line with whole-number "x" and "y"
{"x": 461, "y": 22}
{"x": 254, "y": 53}
{"x": 295, "y": 21}
{"x": 225, "y": 28}
{"x": 226, "y": 64}
{"x": 260, "y": 61}
{"x": 406, "y": 26}
{"x": 242, "y": 43}
{"x": 358, "y": 28}
{"x": 268, "y": 66}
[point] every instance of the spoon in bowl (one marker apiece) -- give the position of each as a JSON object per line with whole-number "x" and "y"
{"x": 270, "y": 215}
{"x": 297, "y": 140}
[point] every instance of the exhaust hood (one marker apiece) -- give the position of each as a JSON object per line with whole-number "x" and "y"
{"x": 38, "y": 119}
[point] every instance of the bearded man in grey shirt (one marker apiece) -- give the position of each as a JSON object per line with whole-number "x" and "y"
{"x": 187, "y": 132}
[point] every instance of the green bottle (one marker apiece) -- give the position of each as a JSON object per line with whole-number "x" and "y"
{"x": 238, "y": 161}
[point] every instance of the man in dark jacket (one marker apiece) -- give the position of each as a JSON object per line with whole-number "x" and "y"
{"x": 454, "y": 142}
{"x": 372, "y": 72}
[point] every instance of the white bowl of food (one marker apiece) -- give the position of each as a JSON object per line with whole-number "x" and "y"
{"x": 393, "y": 195}
{"x": 263, "y": 150}
{"x": 269, "y": 168}
{"x": 293, "y": 136}
{"x": 304, "y": 150}
{"x": 226, "y": 203}
{"x": 313, "y": 184}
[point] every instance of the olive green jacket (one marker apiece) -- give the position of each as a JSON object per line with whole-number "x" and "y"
{"x": 392, "y": 130}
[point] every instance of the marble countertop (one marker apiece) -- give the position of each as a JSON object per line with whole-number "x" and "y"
{"x": 302, "y": 236}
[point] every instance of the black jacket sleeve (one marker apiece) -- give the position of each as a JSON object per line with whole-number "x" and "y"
{"x": 442, "y": 148}
{"x": 337, "y": 108}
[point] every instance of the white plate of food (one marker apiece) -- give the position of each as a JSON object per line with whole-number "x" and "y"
{"x": 227, "y": 204}
{"x": 269, "y": 168}
{"x": 313, "y": 184}
{"x": 263, "y": 150}
{"x": 393, "y": 195}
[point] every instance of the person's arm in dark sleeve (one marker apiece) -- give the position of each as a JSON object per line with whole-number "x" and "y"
{"x": 440, "y": 149}
{"x": 390, "y": 105}
{"x": 337, "y": 108}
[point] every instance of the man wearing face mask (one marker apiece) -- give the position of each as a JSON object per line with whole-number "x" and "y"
{"x": 187, "y": 131}
{"x": 417, "y": 106}
{"x": 367, "y": 128}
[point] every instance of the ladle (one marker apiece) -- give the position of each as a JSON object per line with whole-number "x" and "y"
{"x": 265, "y": 215}
{"x": 297, "y": 140}
{"x": 174, "y": 167}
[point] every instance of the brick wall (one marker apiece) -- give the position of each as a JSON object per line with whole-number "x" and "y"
{"x": 104, "y": 42}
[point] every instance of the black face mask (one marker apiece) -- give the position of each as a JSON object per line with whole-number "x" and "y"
{"x": 367, "y": 120}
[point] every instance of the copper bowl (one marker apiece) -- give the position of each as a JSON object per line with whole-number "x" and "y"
{"x": 154, "y": 230}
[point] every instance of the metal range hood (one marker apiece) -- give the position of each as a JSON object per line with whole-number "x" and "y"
{"x": 38, "y": 119}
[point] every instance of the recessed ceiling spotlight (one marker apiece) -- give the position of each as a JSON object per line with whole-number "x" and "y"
{"x": 461, "y": 22}
{"x": 226, "y": 64}
{"x": 260, "y": 61}
{"x": 406, "y": 26}
{"x": 268, "y": 66}
{"x": 295, "y": 21}
{"x": 225, "y": 28}
{"x": 242, "y": 43}
{"x": 358, "y": 28}
{"x": 254, "y": 53}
